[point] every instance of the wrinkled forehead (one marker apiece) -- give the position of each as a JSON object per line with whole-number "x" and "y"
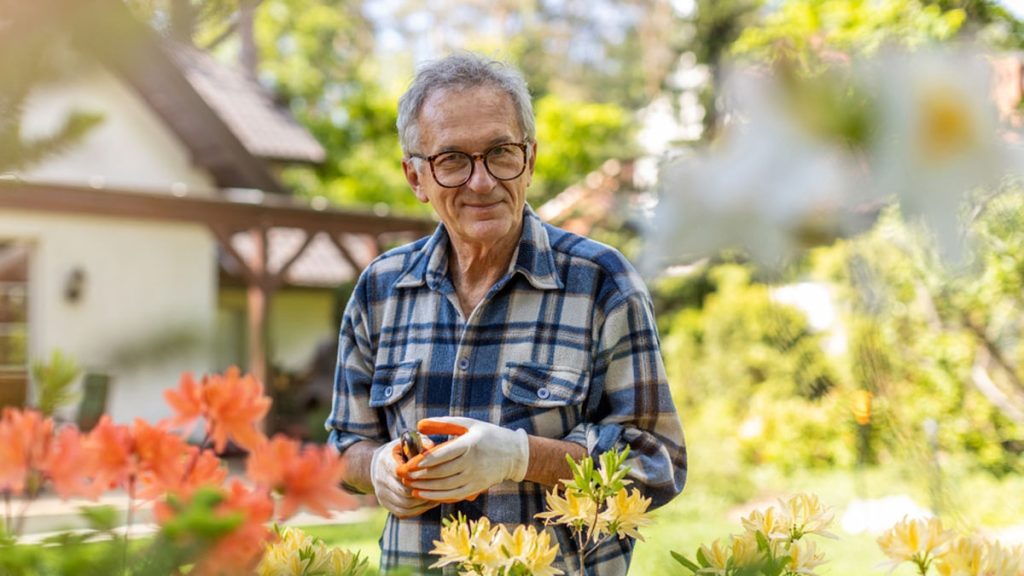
{"x": 485, "y": 106}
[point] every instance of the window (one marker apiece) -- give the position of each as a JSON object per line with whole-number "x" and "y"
{"x": 14, "y": 298}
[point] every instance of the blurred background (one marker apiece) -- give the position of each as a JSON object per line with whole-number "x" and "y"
{"x": 824, "y": 197}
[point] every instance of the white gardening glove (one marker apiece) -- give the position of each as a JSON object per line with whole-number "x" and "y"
{"x": 480, "y": 456}
{"x": 388, "y": 488}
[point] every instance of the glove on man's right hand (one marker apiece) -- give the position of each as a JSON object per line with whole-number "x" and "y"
{"x": 390, "y": 491}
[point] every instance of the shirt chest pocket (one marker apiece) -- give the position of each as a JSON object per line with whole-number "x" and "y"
{"x": 543, "y": 400}
{"x": 393, "y": 389}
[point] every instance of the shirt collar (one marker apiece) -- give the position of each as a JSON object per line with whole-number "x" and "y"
{"x": 533, "y": 258}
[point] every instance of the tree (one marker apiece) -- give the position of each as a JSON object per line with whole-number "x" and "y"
{"x": 34, "y": 50}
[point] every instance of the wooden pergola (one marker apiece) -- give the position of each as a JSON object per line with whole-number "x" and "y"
{"x": 226, "y": 217}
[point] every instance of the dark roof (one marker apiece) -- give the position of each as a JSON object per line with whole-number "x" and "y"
{"x": 320, "y": 266}
{"x": 264, "y": 128}
{"x": 229, "y": 123}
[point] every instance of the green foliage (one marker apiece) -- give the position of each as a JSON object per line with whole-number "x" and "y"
{"x": 745, "y": 339}
{"x": 602, "y": 483}
{"x": 575, "y": 138}
{"x": 812, "y": 31}
{"x": 935, "y": 344}
{"x": 53, "y": 382}
{"x": 31, "y": 55}
{"x": 755, "y": 364}
{"x": 364, "y": 164}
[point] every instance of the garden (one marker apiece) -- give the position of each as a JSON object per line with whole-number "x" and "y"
{"x": 835, "y": 257}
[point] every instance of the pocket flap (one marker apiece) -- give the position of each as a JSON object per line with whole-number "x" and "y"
{"x": 392, "y": 381}
{"x": 543, "y": 386}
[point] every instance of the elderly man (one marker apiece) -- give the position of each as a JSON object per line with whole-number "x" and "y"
{"x": 531, "y": 342}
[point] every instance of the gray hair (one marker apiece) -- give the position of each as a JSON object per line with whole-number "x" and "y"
{"x": 461, "y": 71}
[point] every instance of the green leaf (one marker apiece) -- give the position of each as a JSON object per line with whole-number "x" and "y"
{"x": 762, "y": 542}
{"x": 102, "y": 518}
{"x": 53, "y": 380}
{"x": 702, "y": 559}
{"x": 685, "y": 561}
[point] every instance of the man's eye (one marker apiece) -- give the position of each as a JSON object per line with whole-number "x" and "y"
{"x": 500, "y": 151}
{"x": 450, "y": 161}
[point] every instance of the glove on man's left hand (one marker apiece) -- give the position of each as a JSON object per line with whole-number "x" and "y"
{"x": 481, "y": 455}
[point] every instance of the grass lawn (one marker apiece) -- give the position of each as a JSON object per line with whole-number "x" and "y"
{"x": 712, "y": 509}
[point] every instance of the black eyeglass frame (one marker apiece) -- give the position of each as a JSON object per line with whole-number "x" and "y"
{"x": 523, "y": 146}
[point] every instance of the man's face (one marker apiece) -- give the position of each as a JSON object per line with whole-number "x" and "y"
{"x": 484, "y": 210}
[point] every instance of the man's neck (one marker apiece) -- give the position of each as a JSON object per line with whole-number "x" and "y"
{"x": 475, "y": 268}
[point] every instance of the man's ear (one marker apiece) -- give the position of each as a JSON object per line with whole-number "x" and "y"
{"x": 531, "y": 162}
{"x": 412, "y": 176}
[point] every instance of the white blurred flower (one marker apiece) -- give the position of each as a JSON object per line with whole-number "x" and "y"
{"x": 770, "y": 188}
{"x": 803, "y": 157}
{"x": 938, "y": 136}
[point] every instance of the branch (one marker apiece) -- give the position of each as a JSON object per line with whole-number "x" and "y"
{"x": 994, "y": 352}
{"x": 986, "y": 385}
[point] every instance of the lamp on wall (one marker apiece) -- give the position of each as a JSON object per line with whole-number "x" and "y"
{"x": 74, "y": 284}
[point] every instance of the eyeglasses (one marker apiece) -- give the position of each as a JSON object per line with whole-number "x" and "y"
{"x": 453, "y": 169}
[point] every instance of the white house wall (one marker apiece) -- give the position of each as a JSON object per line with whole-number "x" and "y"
{"x": 132, "y": 148}
{"x": 298, "y": 321}
{"x": 144, "y": 282}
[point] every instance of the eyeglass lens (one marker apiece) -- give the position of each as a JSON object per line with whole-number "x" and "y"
{"x": 504, "y": 162}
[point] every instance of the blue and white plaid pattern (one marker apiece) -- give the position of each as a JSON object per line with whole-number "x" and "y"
{"x": 563, "y": 346}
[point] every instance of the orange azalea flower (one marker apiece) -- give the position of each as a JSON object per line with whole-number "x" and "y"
{"x": 159, "y": 454}
{"x": 110, "y": 447}
{"x": 194, "y": 470}
{"x": 307, "y": 476}
{"x": 69, "y": 466}
{"x": 240, "y": 551}
{"x": 232, "y": 405}
{"x": 25, "y": 438}
{"x": 187, "y": 401}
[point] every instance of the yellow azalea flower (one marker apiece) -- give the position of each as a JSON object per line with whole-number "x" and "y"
{"x": 455, "y": 546}
{"x": 807, "y": 515}
{"x": 283, "y": 557}
{"x": 572, "y": 509}
{"x": 744, "y": 550}
{"x": 770, "y": 523}
{"x": 532, "y": 550}
{"x": 1000, "y": 561}
{"x": 486, "y": 549}
{"x": 626, "y": 513}
{"x": 717, "y": 557}
{"x": 916, "y": 540}
{"x": 804, "y": 557}
{"x": 343, "y": 562}
{"x": 963, "y": 558}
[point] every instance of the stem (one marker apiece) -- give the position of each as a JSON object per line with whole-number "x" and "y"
{"x": 580, "y": 555}
{"x": 19, "y": 521}
{"x": 128, "y": 524}
{"x": 195, "y": 457}
{"x": 7, "y": 512}
{"x": 597, "y": 545}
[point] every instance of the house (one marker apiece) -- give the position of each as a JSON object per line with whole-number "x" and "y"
{"x": 164, "y": 241}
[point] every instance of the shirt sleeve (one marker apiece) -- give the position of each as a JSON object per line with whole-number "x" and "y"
{"x": 352, "y": 419}
{"x": 633, "y": 406}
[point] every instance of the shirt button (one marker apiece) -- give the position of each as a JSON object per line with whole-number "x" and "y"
{"x": 388, "y": 391}
{"x": 543, "y": 393}
{"x": 463, "y": 363}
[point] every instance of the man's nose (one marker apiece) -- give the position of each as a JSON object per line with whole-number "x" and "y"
{"x": 481, "y": 180}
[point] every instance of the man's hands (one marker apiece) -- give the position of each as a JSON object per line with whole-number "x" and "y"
{"x": 481, "y": 456}
{"x": 390, "y": 491}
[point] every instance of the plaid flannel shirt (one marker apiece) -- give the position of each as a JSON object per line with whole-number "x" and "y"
{"x": 563, "y": 346}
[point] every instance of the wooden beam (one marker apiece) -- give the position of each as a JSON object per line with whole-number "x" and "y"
{"x": 347, "y": 254}
{"x": 279, "y": 275}
{"x": 223, "y": 237}
{"x": 213, "y": 209}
